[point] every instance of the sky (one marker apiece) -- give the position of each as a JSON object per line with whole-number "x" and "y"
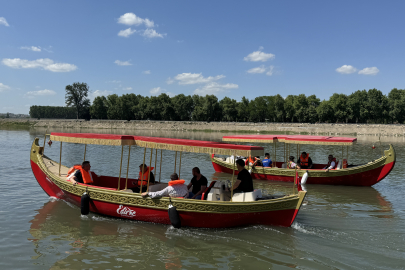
{"x": 224, "y": 48}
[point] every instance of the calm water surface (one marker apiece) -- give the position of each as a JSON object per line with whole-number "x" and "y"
{"x": 337, "y": 228}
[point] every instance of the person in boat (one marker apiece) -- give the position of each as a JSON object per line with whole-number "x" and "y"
{"x": 291, "y": 164}
{"x": 175, "y": 188}
{"x": 304, "y": 162}
{"x": 331, "y": 163}
{"x": 244, "y": 182}
{"x": 143, "y": 178}
{"x": 82, "y": 174}
{"x": 258, "y": 162}
{"x": 267, "y": 161}
{"x": 199, "y": 183}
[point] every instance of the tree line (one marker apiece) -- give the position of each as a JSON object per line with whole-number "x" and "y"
{"x": 362, "y": 106}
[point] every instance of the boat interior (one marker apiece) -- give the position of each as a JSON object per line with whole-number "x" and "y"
{"x": 214, "y": 192}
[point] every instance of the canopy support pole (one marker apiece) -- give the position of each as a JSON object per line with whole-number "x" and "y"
{"x": 43, "y": 148}
{"x": 119, "y": 177}
{"x": 150, "y": 164}
{"x": 180, "y": 164}
{"x": 85, "y": 147}
{"x": 347, "y": 154}
{"x": 155, "y": 163}
{"x": 160, "y": 169}
{"x": 60, "y": 156}
{"x": 233, "y": 176}
{"x": 295, "y": 181}
{"x": 175, "y": 161}
{"x": 143, "y": 168}
{"x": 129, "y": 154}
{"x": 275, "y": 154}
{"x": 285, "y": 154}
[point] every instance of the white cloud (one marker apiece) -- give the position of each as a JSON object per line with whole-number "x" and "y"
{"x": 32, "y": 48}
{"x": 270, "y": 71}
{"x": 169, "y": 80}
{"x": 3, "y": 21}
{"x": 127, "y": 88}
{"x": 195, "y": 78}
{"x": 132, "y": 19}
{"x": 4, "y": 87}
{"x": 114, "y": 81}
{"x": 346, "y": 69}
{"x": 98, "y": 93}
{"x": 146, "y": 72}
{"x": 214, "y": 88}
{"x": 151, "y": 33}
{"x": 259, "y": 56}
{"x": 44, "y": 92}
{"x": 156, "y": 91}
{"x": 44, "y": 63}
{"x": 126, "y": 32}
{"x": 170, "y": 94}
{"x": 123, "y": 63}
{"x": 259, "y": 70}
{"x": 369, "y": 71}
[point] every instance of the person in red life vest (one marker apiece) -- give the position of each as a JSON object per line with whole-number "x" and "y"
{"x": 304, "y": 162}
{"x": 175, "y": 188}
{"x": 199, "y": 183}
{"x": 331, "y": 163}
{"x": 83, "y": 174}
{"x": 143, "y": 178}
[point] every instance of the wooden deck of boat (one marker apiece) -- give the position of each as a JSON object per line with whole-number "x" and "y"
{"x": 53, "y": 167}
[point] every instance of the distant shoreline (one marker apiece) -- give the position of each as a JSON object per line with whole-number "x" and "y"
{"x": 240, "y": 127}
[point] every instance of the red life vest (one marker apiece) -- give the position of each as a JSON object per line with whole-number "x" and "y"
{"x": 330, "y": 162}
{"x": 87, "y": 178}
{"x": 304, "y": 161}
{"x": 144, "y": 176}
{"x": 176, "y": 182}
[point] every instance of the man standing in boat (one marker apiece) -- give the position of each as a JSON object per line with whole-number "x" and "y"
{"x": 199, "y": 183}
{"x": 304, "y": 162}
{"x": 83, "y": 174}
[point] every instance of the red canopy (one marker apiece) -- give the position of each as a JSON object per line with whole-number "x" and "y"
{"x": 296, "y": 139}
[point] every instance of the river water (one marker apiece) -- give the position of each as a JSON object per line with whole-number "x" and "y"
{"x": 337, "y": 227}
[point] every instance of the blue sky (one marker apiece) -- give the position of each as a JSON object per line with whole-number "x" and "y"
{"x": 225, "y": 48}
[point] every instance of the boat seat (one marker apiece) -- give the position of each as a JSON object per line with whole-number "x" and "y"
{"x": 215, "y": 192}
{"x": 127, "y": 190}
{"x": 284, "y": 165}
{"x": 157, "y": 187}
{"x": 247, "y": 196}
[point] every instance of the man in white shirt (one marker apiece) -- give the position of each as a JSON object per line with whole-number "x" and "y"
{"x": 331, "y": 163}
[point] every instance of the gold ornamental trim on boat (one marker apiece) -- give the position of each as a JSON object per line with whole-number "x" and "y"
{"x": 282, "y": 140}
{"x": 91, "y": 140}
{"x": 199, "y": 149}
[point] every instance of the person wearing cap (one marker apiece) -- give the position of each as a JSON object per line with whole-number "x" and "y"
{"x": 143, "y": 178}
{"x": 176, "y": 188}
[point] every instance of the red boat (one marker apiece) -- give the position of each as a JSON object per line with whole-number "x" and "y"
{"x": 111, "y": 195}
{"x": 354, "y": 175}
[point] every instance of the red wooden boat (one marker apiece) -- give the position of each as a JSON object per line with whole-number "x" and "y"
{"x": 354, "y": 175}
{"x": 111, "y": 195}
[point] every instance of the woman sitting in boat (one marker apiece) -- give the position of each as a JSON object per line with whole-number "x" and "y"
{"x": 175, "y": 188}
{"x": 291, "y": 164}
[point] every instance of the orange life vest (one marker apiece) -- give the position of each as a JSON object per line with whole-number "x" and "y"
{"x": 144, "y": 176}
{"x": 87, "y": 178}
{"x": 304, "y": 161}
{"x": 176, "y": 182}
{"x": 249, "y": 160}
{"x": 330, "y": 162}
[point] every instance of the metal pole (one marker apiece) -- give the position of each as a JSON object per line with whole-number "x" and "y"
{"x": 160, "y": 169}
{"x": 143, "y": 168}
{"x": 295, "y": 180}
{"x": 175, "y": 161}
{"x": 129, "y": 154}
{"x": 233, "y": 176}
{"x": 180, "y": 164}
{"x": 275, "y": 153}
{"x": 347, "y": 154}
{"x": 43, "y": 148}
{"x": 155, "y": 163}
{"x": 342, "y": 155}
{"x": 60, "y": 157}
{"x": 119, "y": 178}
{"x": 150, "y": 164}
{"x": 85, "y": 146}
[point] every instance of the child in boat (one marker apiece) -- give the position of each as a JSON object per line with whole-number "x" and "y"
{"x": 175, "y": 188}
{"x": 291, "y": 164}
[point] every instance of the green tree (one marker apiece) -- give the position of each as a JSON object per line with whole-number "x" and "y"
{"x": 229, "y": 109}
{"x": 166, "y": 108}
{"x": 76, "y": 96}
{"x": 300, "y": 105}
{"x": 357, "y": 109}
{"x": 377, "y": 105}
{"x": 99, "y": 108}
{"x": 113, "y": 108}
{"x": 396, "y": 104}
{"x": 242, "y": 109}
{"x": 183, "y": 107}
{"x": 258, "y": 109}
{"x": 7, "y": 115}
{"x": 289, "y": 108}
{"x": 338, "y": 103}
{"x": 279, "y": 108}
{"x": 324, "y": 111}
{"x": 313, "y": 103}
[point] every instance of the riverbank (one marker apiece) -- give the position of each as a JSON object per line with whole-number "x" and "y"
{"x": 296, "y": 128}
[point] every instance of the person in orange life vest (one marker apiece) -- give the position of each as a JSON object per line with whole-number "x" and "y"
{"x": 331, "y": 163}
{"x": 143, "y": 178}
{"x": 199, "y": 183}
{"x": 83, "y": 175}
{"x": 304, "y": 162}
{"x": 175, "y": 188}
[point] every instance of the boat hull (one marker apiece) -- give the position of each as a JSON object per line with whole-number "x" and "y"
{"x": 193, "y": 213}
{"x": 365, "y": 175}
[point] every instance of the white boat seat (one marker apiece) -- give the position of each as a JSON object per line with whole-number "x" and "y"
{"x": 215, "y": 192}
{"x": 247, "y": 196}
